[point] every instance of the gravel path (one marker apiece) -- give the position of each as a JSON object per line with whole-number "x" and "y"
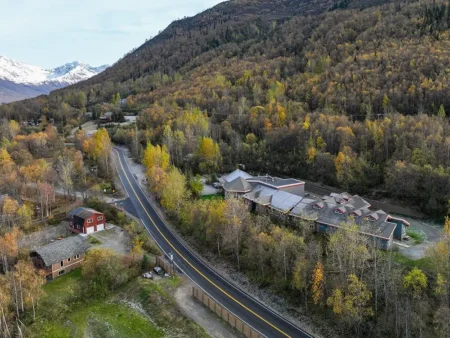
{"x": 194, "y": 310}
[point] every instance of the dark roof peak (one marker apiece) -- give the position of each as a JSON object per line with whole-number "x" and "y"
{"x": 83, "y": 212}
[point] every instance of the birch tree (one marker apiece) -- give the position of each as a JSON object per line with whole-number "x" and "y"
{"x": 235, "y": 215}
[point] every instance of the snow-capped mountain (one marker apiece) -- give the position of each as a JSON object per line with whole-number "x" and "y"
{"x": 19, "y": 80}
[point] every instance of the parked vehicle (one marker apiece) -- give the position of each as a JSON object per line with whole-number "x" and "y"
{"x": 217, "y": 185}
{"x": 148, "y": 275}
{"x": 158, "y": 270}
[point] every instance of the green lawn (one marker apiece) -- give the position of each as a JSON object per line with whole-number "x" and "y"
{"x": 62, "y": 288}
{"x": 212, "y": 197}
{"x": 102, "y": 319}
{"x": 142, "y": 308}
{"x": 422, "y": 263}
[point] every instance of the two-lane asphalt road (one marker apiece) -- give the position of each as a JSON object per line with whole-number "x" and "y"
{"x": 258, "y": 316}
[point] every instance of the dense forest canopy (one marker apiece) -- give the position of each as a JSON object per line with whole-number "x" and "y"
{"x": 356, "y": 89}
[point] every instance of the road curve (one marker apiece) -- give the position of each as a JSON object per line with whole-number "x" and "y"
{"x": 248, "y": 309}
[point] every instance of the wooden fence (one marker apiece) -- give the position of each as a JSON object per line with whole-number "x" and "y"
{"x": 166, "y": 266}
{"x": 226, "y": 315}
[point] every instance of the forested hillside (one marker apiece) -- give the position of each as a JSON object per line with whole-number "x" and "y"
{"x": 348, "y": 93}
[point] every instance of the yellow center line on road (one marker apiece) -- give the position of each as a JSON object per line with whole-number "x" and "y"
{"x": 189, "y": 263}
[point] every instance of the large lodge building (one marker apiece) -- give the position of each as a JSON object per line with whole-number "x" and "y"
{"x": 286, "y": 200}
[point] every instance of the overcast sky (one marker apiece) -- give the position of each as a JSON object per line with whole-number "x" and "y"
{"x": 49, "y": 33}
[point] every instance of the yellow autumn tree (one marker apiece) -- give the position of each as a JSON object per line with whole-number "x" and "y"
{"x": 415, "y": 282}
{"x": 336, "y": 301}
{"x": 208, "y": 154}
{"x": 35, "y": 172}
{"x": 9, "y": 248}
{"x": 157, "y": 161}
{"x": 101, "y": 149}
{"x": 317, "y": 283}
{"x": 175, "y": 192}
{"x": 13, "y": 128}
{"x": 312, "y": 153}
{"x": 24, "y": 216}
{"x": 353, "y": 303}
{"x": 6, "y": 162}
{"x": 136, "y": 251}
{"x": 215, "y": 222}
{"x": 10, "y": 207}
{"x": 156, "y": 156}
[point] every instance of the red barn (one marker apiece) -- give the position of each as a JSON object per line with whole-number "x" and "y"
{"x": 86, "y": 221}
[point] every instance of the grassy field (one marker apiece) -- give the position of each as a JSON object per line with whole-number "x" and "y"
{"x": 142, "y": 308}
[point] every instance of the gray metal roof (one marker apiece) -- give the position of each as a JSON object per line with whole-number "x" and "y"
{"x": 235, "y": 174}
{"x": 284, "y": 201}
{"x": 358, "y": 202}
{"x": 63, "y": 249}
{"x": 275, "y": 182}
{"x": 83, "y": 212}
{"x": 261, "y": 194}
{"x": 239, "y": 184}
{"x": 369, "y": 222}
{"x": 304, "y": 210}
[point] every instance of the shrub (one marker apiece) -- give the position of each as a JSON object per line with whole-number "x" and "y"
{"x": 418, "y": 235}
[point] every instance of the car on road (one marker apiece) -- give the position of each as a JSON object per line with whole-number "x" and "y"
{"x": 158, "y": 270}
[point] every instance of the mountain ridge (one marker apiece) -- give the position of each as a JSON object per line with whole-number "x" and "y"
{"x": 19, "y": 80}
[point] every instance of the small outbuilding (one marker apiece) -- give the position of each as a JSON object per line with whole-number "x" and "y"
{"x": 86, "y": 221}
{"x": 60, "y": 257}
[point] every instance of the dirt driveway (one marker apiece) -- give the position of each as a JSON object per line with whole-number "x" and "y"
{"x": 113, "y": 238}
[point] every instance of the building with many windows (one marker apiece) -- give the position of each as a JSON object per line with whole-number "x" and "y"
{"x": 286, "y": 200}
{"x": 60, "y": 257}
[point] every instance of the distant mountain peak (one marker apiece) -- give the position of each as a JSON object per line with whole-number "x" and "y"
{"x": 42, "y": 81}
{"x": 67, "y": 74}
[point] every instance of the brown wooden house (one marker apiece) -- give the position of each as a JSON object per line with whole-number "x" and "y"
{"x": 60, "y": 257}
{"x": 86, "y": 221}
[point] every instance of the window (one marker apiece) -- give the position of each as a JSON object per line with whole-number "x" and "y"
{"x": 100, "y": 218}
{"x": 77, "y": 256}
{"x": 68, "y": 259}
{"x": 90, "y": 220}
{"x": 62, "y": 272}
{"x": 338, "y": 211}
{"x": 62, "y": 263}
